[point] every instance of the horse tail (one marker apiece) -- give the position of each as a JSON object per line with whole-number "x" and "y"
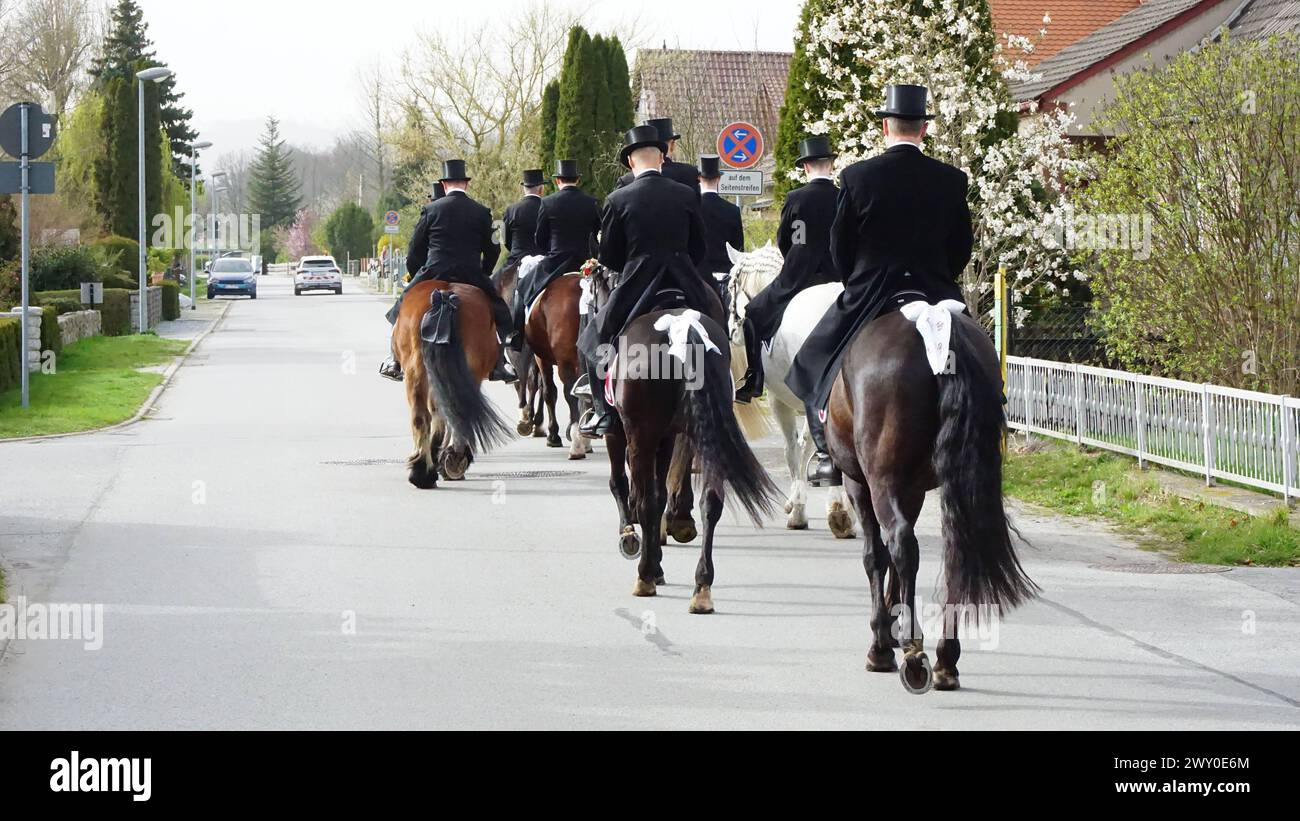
{"x": 715, "y": 432}
{"x": 979, "y": 557}
{"x": 457, "y": 394}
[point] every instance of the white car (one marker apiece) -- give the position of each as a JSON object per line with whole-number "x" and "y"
{"x": 317, "y": 274}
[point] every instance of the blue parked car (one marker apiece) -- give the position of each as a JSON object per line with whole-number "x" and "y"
{"x": 232, "y": 277}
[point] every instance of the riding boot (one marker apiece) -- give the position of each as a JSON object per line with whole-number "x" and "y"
{"x": 504, "y": 371}
{"x": 821, "y": 471}
{"x": 390, "y": 368}
{"x": 753, "y": 386}
{"x": 603, "y": 417}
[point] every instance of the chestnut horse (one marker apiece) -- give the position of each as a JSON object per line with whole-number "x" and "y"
{"x": 446, "y": 340}
{"x": 552, "y": 333}
{"x": 898, "y": 431}
{"x": 674, "y": 395}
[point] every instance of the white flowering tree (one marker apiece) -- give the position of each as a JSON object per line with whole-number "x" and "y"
{"x": 1021, "y": 169}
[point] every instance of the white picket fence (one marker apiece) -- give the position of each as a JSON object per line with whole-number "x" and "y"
{"x": 1220, "y": 433}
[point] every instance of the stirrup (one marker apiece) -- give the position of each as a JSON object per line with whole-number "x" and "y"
{"x": 391, "y": 370}
{"x": 823, "y": 473}
{"x": 503, "y": 372}
{"x": 583, "y": 386}
{"x": 595, "y": 426}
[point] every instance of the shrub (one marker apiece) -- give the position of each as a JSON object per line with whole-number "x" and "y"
{"x": 57, "y": 267}
{"x": 61, "y": 305}
{"x": 10, "y": 359}
{"x": 51, "y": 337}
{"x": 11, "y": 282}
{"x": 122, "y": 252}
{"x": 116, "y": 312}
{"x": 171, "y": 300}
{"x": 123, "y": 281}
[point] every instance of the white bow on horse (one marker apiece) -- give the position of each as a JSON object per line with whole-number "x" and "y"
{"x": 750, "y": 274}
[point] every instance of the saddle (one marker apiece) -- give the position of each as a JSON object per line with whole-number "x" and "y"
{"x": 666, "y": 299}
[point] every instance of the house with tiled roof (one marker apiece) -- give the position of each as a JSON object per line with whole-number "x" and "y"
{"x": 1070, "y": 21}
{"x": 704, "y": 91}
{"x": 1082, "y": 75}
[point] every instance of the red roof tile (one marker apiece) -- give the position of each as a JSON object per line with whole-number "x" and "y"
{"x": 1072, "y": 20}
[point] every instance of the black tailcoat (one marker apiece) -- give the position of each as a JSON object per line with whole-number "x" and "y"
{"x": 652, "y": 232}
{"x": 722, "y": 227}
{"x": 903, "y": 226}
{"x": 684, "y": 173}
{"x": 521, "y": 230}
{"x": 567, "y": 224}
{"x": 805, "y": 241}
{"x": 453, "y": 243}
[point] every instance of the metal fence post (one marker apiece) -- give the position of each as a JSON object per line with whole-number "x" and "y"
{"x": 1208, "y": 433}
{"x": 1141, "y": 424}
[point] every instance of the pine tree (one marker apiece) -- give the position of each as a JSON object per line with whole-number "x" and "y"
{"x": 274, "y": 189}
{"x": 117, "y": 170}
{"x": 127, "y": 49}
{"x": 620, "y": 85}
{"x": 574, "y": 129}
{"x": 593, "y": 109}
{"x": 550, "y": 111}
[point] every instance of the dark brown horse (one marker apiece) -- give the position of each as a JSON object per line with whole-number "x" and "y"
{"x": 898, "y": 431}
{"x": 446, "y": 340}
{"x": 675, "y": 401}
{"x": 528, "y": 388}
{"x": 552, "y": 333}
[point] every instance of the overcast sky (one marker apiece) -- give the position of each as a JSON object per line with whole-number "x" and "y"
{"x": 239, "y": 61}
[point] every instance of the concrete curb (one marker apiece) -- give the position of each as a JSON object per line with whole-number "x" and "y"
{"x": 149, "y": 403}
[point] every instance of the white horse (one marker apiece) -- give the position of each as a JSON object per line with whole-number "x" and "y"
{"x": 751, "y": 273}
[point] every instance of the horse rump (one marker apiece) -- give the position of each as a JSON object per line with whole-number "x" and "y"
{"x": 979, "y": 556}
{"x": 457, "y": 393}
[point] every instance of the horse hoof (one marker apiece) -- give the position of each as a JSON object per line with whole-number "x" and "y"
{"x": 424, "y": 481}
{"x": 789, "y": 508}
{"x": 793, "y": 525}
{"x": 946, "y": 681}
{"x": 644, "y": 590}
{"x": 539, "y": 433}
{"x": 702, "y": 602}
{"x": 554, "y": 444}
{"x": 629, "y": 545}
{"x": 454, "y": 467}
{"x": 881, "y": 662}
{"x": 525, "y": 429}
{"x": 841, "y": 524}
{"x": 577, "y": 457}
{"x": 917, "y": 675}
{"x": 662, "y": 581}
{"x": 684, "y": 532}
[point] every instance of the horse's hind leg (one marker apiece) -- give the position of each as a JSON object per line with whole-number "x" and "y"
{"x": 897, "y": 513}
{"x": 579, "y": 447}
{"x": 796, "y": 461}
{"x": 553, "y": 439}
{"x": 629, "y": 543}
{"x": 536, "y": 398}
{"x": 646, "y": 498}
{"x": 679, "y": 521}
{"x": 875, "y": 559}
{"x": 423, "y": 462}
{"x": 714, "y": 494}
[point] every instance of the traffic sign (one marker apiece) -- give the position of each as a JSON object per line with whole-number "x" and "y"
{"x": 40, "y": 130}
{"x": 41, "y": 177}
{"x": 741, "y": 146}
{"x": 741, "y": 184}
{"x": 392, "y": 229}
{"x": 392, "y": 218}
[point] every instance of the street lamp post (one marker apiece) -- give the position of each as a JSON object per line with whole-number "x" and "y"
{"x": 194, "y": 208}
{"x": 218, "y": 186}
{"x": 150, "y": 75}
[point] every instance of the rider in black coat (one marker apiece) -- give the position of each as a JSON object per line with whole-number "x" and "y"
{"x": 453, "y": 243}
{"x": 653, "y": 233}
{"x": 805, "y": 242}
{"x": 567, "y": 224}
{"x": 684, "y": 173}
{"x": 521, "y": 221}
{"x": 723, "y": 225}
{"x": 903, "y": 232}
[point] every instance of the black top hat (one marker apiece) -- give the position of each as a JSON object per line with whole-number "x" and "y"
{"x": 567, "y": 170}
{"x": 533, "y": 178}
{"x": 665, "y": 126}
{"x": 710, "y": 167}
{"x": 643, "y": 136}
{"x": 439, "y": 191}
{"x": 454, "y": 171}
{"x": 906, "y": 102}
{"x": 814, "y": 148}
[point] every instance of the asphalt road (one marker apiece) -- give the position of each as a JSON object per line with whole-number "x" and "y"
{"x": 262, "y": 563}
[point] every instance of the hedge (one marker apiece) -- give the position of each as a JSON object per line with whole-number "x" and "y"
{"x": 125, "y": 250}
{"x": 11, "y": 340}
{"x": 115, "y": 313}
{"x": 171, "y": 300}
{"x": 51, "y": 336}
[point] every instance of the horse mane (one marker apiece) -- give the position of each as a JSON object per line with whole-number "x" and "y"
{"x": 758, "y": 269}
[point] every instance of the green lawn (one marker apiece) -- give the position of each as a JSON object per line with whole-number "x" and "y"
{"x": 97, "y": 384}
{"x": 1088, "y": 483}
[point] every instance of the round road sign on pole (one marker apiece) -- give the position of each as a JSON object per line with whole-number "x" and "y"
{"x": 40, "y": 131}
{"x": 740, "y": 145}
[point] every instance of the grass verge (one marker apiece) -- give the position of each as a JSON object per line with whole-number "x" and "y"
{"x": 1082, "y": 482}
{"x": 98, "y": 383}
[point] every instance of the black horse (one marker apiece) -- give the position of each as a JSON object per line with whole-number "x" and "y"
{"x": 673, "y": 411}
{"x": 897, "y": 431}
